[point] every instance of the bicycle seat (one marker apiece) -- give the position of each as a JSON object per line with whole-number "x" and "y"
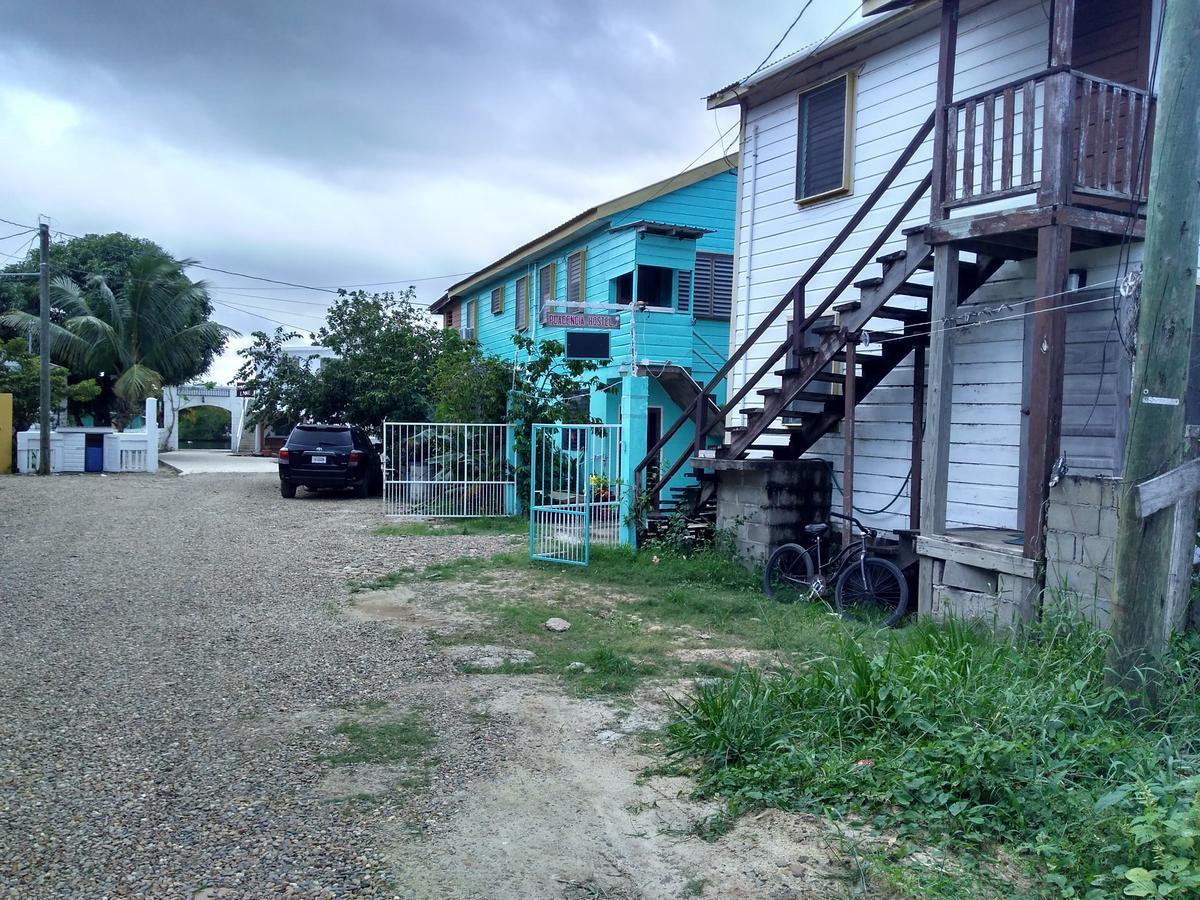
{"x": 816, "y": 530}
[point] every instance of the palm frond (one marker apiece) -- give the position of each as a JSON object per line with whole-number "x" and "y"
{"x": 137, "y": 383}
{"x": 177, "y": 349}
{"x": 65, "y": 347}
{"x": 65, "y": 295}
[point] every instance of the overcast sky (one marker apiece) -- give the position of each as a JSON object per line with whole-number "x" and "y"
{"x": 361, "y": 141}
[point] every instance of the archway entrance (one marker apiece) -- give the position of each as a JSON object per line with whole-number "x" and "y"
{"x": 205, "y": 428}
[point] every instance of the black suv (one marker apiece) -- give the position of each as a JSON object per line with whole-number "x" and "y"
{"x": 329, "y": 456}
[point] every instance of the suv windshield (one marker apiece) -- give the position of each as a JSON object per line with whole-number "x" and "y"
{"x": 319, "y": 436}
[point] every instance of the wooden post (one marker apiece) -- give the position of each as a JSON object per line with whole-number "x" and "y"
{"x": 1046, "y": 379}
{"x": 1058, "y": 171}
{"x": 1154, "y": 442}
{"x": 797, "y": 333}
{"x": 947, "y": 48}
{"x": 938, "y": 397}
{"x": 850, "y": 399}
{"x": 918, "y": 423}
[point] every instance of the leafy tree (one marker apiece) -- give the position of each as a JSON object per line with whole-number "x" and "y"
{"x": 204, "y": 423}
{"x": 387, "y": 349}
{"x": 109, "y": 256}
{"x": 469, "y": 385}
{"x": 20, "y": 375}
{"x": 285, "y": 390}
{"x": 134, "y": 340}
{"x": 547, "y": 388}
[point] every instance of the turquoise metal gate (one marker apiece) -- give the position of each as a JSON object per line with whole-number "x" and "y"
{"x": 575, "y": 491}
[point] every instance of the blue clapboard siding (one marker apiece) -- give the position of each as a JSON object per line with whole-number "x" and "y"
{"x": 613, "y": 249}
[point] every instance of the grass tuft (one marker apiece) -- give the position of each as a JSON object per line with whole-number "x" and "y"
{"x": 402, "y": 740}
{"x": 434, "y": 527}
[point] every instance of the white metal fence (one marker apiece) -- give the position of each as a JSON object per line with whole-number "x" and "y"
{"x": 447, "y": 470}
{"x": 575, "y": 490}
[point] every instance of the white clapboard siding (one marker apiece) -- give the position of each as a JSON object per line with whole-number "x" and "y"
{"x": 895, "y": 94}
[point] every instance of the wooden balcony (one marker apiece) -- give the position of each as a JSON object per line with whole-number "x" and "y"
{"x": 1063, "y": 136}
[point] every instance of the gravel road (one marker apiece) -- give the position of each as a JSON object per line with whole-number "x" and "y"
{"x": 174, "y": 661}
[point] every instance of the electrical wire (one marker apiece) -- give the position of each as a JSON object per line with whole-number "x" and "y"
{"x": 779, "y": 42}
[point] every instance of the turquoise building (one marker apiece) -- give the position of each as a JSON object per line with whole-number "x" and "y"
{"x": 642, "y": 284}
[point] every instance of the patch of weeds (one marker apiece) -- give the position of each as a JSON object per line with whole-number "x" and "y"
{"x": 434, "y": 527}
{"x": 608, "y": 672}
{"x": 695, "y": 887}
{"x": 713, "y": 827}
{"x": 394, "y": 741}
{"x": 383, "y": 582}
{"x": 975, "y": 746}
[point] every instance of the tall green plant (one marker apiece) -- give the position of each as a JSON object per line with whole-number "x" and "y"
{"x": 135, "y": 339}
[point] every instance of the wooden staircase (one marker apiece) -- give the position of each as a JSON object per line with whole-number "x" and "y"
{"x": 832, "y": 356}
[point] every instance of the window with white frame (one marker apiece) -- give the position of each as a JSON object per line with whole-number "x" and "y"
{"x": 470, "y": 310}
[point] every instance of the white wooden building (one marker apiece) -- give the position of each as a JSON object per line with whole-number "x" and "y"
{"x": 986, "y": 161}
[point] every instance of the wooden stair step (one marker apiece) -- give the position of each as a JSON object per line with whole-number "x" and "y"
{"x": 900, "y": 314}
{"x": 907, "y": 289}
{"x": 892, "y": 259}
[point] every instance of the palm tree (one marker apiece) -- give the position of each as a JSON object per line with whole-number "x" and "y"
{"x": 137, "y": 339}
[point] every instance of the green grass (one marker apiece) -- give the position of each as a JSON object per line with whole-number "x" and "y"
{"x": 395, "y": 741}
{"x": 944, "y": 736}
{"x": 432, "y": 527}
{"x": 703, "y": 600}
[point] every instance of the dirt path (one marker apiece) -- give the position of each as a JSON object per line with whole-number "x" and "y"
{"x": 197, "y": 706}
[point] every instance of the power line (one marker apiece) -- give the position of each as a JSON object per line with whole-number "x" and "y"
{"x": 294, "y": 312}
{"x": 779, "y": 42}
{"x": 291, "y": 325}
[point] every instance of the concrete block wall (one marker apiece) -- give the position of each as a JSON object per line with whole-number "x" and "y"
{"x": 764, "y": 503}
{"x": 1081, "y": 532}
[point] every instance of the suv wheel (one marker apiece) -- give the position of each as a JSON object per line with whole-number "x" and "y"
{"x": 288, "y": 491}
{"x": 362, "y": 490}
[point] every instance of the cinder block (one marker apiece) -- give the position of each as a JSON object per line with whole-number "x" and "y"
{"x": 1081, "y": 490}
{"x": 1079, "y": 519}
{"x": 1061, "y": 546}
{"x": 1110, "y": 493}
{"x": 1108, "y": 523}
{"x": 1098, "y": 553}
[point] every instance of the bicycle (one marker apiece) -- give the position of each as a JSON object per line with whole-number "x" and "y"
{"x": 865, "y": 587}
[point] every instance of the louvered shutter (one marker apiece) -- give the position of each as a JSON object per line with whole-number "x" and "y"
{"x": 821, "y": 145}
{"x": 712, "y": 294}
{"x": 576, "y": 264}
{"x": 683, "y": 291}
{"x": 522, "y": 304}
{"x": 546, "y": 286}
{"x": 498, "y": 300}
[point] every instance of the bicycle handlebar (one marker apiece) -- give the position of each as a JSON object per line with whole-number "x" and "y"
{"x": 871, "y": 532}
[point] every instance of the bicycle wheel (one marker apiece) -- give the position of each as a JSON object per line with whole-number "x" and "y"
{"x": 788, "y": 577}
{"x": 872, "y": 591}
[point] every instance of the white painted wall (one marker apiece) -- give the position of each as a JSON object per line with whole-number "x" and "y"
{"x": 896, "y": 91}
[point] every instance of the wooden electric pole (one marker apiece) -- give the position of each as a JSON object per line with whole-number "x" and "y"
{"x": 1155, "y": 439}
{"x": 44, "y": 349}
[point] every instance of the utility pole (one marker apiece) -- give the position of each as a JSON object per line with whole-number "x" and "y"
{"x": 44, "y": 349}
{"x": 1155, "y": 440}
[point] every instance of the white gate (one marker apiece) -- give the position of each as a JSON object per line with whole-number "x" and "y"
{"x": 575, "y": 491}
{"x": 444, "y": 469}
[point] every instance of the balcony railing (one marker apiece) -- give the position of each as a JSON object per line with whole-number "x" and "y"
{"x": 996, "y": 141}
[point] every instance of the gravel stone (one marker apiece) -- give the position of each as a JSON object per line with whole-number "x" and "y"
{"x": 556, "y": 625}
{"x": 175, "y": 664}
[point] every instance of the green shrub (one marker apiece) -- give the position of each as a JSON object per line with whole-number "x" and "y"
{"x": 950, "y": 736}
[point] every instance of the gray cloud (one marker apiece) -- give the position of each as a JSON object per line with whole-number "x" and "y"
{"x": 359, "y": 141}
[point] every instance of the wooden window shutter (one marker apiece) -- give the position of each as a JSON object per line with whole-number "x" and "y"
{"x": 576, "y": 288}
{"x": 498, "y": 300}
{"x": 521, "y": 302}
{"x": 712, "y": 294}
{"x": 821, "y": 145}
{"x": 547, "y": 284}
{"x": 683, "y": 291}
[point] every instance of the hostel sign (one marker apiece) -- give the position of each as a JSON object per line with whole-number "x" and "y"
{"x": 582, "y": 320}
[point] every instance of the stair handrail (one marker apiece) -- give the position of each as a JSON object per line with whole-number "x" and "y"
{"x": 789, "y": 298}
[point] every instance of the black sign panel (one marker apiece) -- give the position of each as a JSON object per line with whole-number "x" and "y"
{"x": 587, "y": 345}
